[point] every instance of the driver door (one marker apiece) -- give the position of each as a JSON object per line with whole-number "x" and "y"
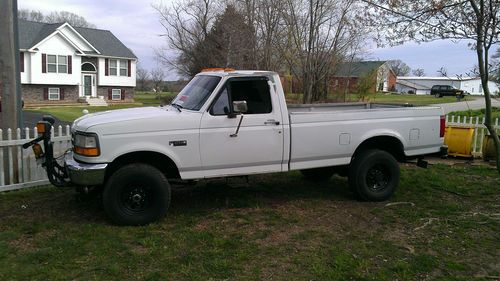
{"x": 258, "y": 146}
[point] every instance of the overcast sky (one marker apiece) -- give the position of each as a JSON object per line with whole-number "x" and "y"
{"x": 137, "y": 25}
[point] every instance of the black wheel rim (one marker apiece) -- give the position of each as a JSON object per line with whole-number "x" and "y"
{"x": 378, "y": 178}
{"x": 136, "y": 199}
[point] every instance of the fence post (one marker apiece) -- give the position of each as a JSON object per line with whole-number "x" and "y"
{"x": 26, "y": 157}
{"x": 476, "y": 128}
{"x": 10, "y": 159}
{"x": 2, "y": 161}
{"x": 19, "y": 157}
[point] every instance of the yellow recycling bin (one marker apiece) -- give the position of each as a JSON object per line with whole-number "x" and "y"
{"x": 459, "y": 140}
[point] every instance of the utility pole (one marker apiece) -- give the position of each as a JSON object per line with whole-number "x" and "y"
{"x": 10, "y": 79}
{"x": 11, "y": 115}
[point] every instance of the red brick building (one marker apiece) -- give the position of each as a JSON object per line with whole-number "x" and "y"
{"x": 349, "y": 75}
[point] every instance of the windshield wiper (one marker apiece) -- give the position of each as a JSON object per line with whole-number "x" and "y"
{"x": 178, "y": 106}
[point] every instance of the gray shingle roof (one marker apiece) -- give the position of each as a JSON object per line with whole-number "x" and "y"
{"x": 358, "y": 68}
{"x": 30, "y": 33}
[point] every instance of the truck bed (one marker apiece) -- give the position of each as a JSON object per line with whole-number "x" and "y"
{"x": 322, "y": 107}
{"x": 328, "y": 134}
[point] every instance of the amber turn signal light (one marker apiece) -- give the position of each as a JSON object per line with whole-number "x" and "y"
{"x": 86, "y": 151}
{"x": 40, "y": 127}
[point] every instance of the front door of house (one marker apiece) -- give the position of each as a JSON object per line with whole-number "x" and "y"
{"x": 88, "y": 85}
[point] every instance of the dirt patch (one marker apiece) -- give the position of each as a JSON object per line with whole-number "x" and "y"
{"x": 26, "y": 242}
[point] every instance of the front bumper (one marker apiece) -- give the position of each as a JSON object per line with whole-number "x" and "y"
{"x": 82, "y": 173}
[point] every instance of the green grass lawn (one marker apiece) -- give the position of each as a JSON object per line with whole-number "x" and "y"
{"x": 442, "y": 224}
{"x": 70, "y": 113}
{"x": 495, "y": 112}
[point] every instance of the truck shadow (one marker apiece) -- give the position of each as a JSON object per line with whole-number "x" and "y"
{"x": 259, "y": 191}
{"x": 55, "y": 206}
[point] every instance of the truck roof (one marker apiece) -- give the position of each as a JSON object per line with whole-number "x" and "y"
{"x": 231, "y": 72}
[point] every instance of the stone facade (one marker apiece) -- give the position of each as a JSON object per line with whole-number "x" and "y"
{"x": 35, "y": 94}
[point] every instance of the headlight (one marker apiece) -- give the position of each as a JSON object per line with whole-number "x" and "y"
{"x": 86, "y": 144}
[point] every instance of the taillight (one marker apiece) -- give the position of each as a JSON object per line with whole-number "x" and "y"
{"x": 442, "y": 126}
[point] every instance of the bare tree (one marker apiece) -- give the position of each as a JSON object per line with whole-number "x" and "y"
{"x": 495, "y": 67}
{"x": 31, "y": 15}
{"x": 399, "y": 67}
{"x": 55, "y": 17}
{"x": 422, "y": 20}
{"x": 320, "y": 33}
{"x": 230, "y": 42}
{"x": 267, "y": 19}
{"x": 186, "y": 24}
{"x": 157, "y": 76}
{"x": 71, "y": 18}
{"x": 419, "y": 72}
{"x": 442, "y": 71}
{"x": 142, "y": 76}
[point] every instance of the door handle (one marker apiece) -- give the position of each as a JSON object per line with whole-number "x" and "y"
{"x": 272, "y": 122}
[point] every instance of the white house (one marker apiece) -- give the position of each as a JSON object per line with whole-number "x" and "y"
{"x": 474, "y": 86}
{"x": 423, "y": 85}
{"x": 64, "y": 64}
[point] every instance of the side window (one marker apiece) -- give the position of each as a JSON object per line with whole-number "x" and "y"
{"x": 254, "y": 92}
{"x": 221, "y": 106}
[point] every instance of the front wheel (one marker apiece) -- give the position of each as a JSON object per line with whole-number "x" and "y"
{"x": 374, "y": 175}
{"x": 136, "y": 194}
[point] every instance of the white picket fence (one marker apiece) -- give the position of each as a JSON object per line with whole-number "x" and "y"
{"x": 18, "y": 166}
{"x": 26, "y": 172}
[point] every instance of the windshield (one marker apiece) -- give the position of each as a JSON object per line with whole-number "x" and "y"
{"x": 196, "y": 92}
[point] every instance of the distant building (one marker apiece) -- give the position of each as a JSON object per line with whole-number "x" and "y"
{"x": 423, "y": 85}
{"x": 347, "y": 77}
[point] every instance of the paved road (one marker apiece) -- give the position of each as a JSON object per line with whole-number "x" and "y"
{"x": 31, "y": 118}
{"x": 466, "y": 105}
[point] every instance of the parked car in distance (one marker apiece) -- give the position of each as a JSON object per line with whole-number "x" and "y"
{"x": 440, "y": 91}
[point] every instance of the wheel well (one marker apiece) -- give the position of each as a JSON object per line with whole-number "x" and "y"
{"x": 389, "y": 144}
{"x": 157, "y": 160}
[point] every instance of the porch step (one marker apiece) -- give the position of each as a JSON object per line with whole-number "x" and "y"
{"x": 96, "y": 102}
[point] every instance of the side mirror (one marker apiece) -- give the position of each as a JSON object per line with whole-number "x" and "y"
{"x": 240, "y": 106}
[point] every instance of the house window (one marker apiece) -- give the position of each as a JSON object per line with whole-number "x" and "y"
{"x": 123, "y": 68}
{"x": 116, "y": 94}
{"x": 51, "y": 63}
{"x": 57, "y": 64}
{"x": 113, "y": 67}
{"x": 480, "y": 88}
{"x": 62, "y": 64}
{"x": 54, "y": 94}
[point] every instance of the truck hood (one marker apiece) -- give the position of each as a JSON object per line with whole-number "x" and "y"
{"x": 131, "y": 119}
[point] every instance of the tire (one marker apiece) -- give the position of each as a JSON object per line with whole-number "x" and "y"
{"x": 437, "y": 95}
{"x": 374, "y": 175}
{"x": 136, "y": 194}
{"x": 318, "y": 174}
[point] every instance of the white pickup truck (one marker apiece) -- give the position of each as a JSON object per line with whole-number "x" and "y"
{"x": 233, "y": 123}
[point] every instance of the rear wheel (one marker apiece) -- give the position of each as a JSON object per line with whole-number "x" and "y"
{"x": 318, "y": 174}
{"x": 437, "y": 95}
{"x": 374, "y": 175}
{"x": 136, "y": 194}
